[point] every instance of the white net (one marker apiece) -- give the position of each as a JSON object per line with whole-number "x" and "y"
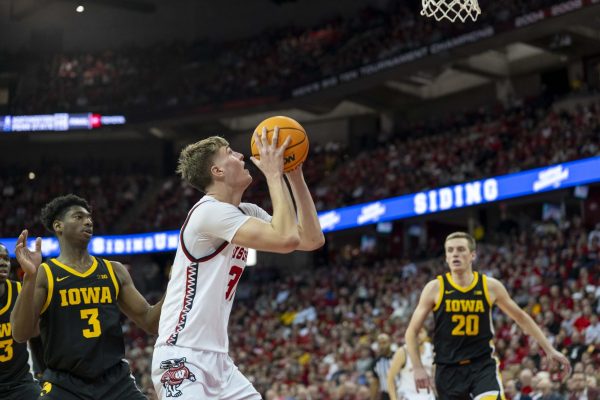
{"x": 451, "y": 9}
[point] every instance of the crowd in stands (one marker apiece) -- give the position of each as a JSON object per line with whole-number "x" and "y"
{"x": 111, "y": 191}
{"x": 174, "y": 76}
{"x": 311, "y": 333}
{"x": 484, "y": 143}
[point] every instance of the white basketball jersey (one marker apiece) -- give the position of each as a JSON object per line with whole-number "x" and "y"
{"x": 405, "y": 380}
{"x": 204, "y": 276}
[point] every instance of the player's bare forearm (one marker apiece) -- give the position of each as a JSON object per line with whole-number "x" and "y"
{"x": 374, "y": 389}
{"x": 398, "y": 362}
{"x": 134, "y": 305}
{"x": 412, "y": 346}
{"x": 529, "y": 326}
{"x": 309, "y": 228}
{"x": 512, "y": 309}
{"x": 153, "y": 316}
{"x": 424, "y": 307}
{"x": 23, "y": 319}
{"x": 141, "y": 313}
{"x": 391, "y": 388}
{"x": 284, "y": 218}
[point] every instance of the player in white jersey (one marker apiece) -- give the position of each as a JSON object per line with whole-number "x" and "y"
{"x": 401, "y": 384}
{"x": 191, "y": 358}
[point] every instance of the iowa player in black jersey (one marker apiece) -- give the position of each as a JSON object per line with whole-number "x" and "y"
{"x": 74, "y": 300}
{"x": 16, "y": 382}
{"x": 461, "y": 301}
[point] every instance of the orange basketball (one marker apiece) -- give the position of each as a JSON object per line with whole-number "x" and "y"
{"x": 296, "y": 152}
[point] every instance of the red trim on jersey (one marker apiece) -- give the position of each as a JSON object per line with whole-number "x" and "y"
{"x": 191, "y": 278}
{"x": 185, "y": 250}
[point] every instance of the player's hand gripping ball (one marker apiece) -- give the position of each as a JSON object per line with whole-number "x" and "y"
{"x": 296, "y": 152}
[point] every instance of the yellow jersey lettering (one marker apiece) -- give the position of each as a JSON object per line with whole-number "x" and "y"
{"x": 6, "y": 350}
{"x": 465, "y": 325}
{"x": 63, "y": 297}
{"x": 90, "y": 295}
{"x": 465, "y": 306}
{"x": 74, "y": 297}
{"x": 106, "y": 298}
{"x": 479, "y": 306}
{"x": 87, "y": 295}
{"x": 469, "y": 305}
{"x": 5, "y": 330}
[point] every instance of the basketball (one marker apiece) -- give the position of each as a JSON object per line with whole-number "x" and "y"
{"x": 296, "y": 152}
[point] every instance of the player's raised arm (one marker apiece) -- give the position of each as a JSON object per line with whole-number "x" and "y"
{"x": 499, "y": 295}
{"x": 281, "y": 234}
{"x": 426, "y": 304}
{"x": 134, "y": 305}
{"x": 309, "y": 228}
{"x": 25, "y": 316}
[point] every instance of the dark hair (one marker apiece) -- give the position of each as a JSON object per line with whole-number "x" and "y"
{"x": 57, "y": 208}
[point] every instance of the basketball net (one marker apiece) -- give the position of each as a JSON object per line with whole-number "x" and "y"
{"x": 451, "y": 9}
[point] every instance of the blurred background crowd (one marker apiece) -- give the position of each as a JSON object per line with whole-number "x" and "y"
{"x": 307, "y": 329}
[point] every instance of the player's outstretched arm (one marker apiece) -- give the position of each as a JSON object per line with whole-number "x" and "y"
{"x": 425, "y": 306}
{"x": 134, "y": 305}
{"x": 500, "y": 296}
{"x": 281, "y": 234}
{"x": 395, "y": 367}
{"x": 25, "y": 316}
{"x": 309, "y": 228}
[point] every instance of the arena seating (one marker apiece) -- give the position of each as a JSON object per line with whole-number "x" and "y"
{"x": 174, "y": 76}
{"x": 111, "y": 190}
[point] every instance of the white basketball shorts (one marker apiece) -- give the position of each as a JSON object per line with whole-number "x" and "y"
{"x": 186, "y": 374}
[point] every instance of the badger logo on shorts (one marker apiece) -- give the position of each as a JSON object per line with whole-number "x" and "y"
{"x": 176, "y": 372}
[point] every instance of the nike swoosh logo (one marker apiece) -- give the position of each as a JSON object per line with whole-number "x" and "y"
{"x": 62, "y": 278}
{"x": 449, "y": 291}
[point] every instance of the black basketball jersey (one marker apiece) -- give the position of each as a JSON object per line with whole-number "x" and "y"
{"x": 80, "y": 321}
{"x": 14, "y": 357}
{"x": 463, "y": 321}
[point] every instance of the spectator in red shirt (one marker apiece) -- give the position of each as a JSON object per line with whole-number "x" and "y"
{"x": 584, "y": 320}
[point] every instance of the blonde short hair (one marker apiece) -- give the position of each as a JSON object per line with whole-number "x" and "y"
{"x": 463, "y": 235}
{"x": 196, "y": 159}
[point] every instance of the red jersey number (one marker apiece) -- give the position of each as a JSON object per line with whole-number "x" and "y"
{"x": 236, "y": 273}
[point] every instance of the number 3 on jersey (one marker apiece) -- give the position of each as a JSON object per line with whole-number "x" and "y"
{"x": 465, "y": 325}
{"x": 236, "y": 273}
{"x": 91, "y": 314}
{"x": 7, "y": 350}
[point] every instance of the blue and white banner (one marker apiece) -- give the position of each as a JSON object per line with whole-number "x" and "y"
{"x": 118, "y": 245}
{"x": 140, "y": 243}
{"x": 467, "y": 194}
